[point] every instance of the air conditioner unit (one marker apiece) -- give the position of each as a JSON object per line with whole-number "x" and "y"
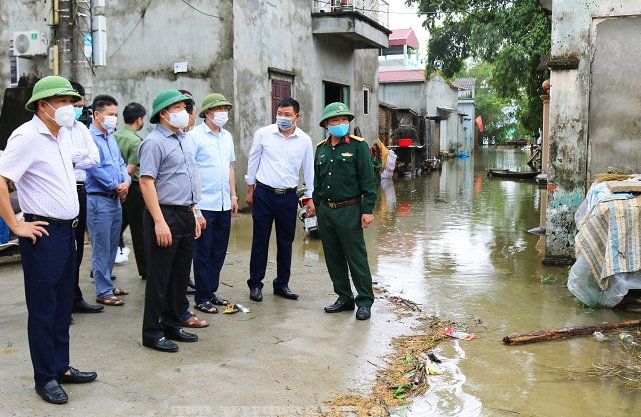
{"x": 30, "y": 43}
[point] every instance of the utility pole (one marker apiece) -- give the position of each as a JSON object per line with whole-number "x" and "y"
{"x": 75, "y": 23}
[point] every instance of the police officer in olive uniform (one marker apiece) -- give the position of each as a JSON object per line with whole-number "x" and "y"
{"x": 344, "y": 196}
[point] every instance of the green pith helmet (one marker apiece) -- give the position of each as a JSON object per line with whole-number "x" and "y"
{"x": 335, "y": 109}
{"x": 165, "y": 99}
{"x": 214, "y": 100}
{"x": 52, "y": 86}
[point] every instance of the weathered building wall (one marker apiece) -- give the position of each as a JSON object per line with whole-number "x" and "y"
{"x": 575, "y": 34}
{"x": 405, "y": 95}
{"x": 5, "y": 69}
{"x": 234, "y": 53}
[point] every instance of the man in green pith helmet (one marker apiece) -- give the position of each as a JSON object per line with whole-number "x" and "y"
{"x": 344, "y": 196}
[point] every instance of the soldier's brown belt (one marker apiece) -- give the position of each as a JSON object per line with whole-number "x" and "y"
{"x": 343, "y": 203}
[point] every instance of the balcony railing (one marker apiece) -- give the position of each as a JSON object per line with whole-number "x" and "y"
{"x": 377, "y": 10}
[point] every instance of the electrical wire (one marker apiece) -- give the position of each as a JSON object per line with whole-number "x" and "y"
{"x": 142, "y": 15}
{"x": 201, "y": 12}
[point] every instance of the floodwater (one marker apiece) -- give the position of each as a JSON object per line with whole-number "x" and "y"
{"x": 456, "y": 242}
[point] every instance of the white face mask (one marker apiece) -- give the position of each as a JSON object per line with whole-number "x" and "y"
{"x": 179, "y": 120}
{"x": 220, "y": 118}
{"x": 64, "y": 116}
{"x": 110, "y": 123}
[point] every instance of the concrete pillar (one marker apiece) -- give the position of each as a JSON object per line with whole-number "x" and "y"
{"x": 65, "y": 40}
{"x": 443, "y": 134}
{"x": 5, "y": 68}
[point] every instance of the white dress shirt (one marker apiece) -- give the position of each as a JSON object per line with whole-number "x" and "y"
{"x": 84, "y": 152}
{"x": 40, "y": 166}
{"x": 276, "y": 161}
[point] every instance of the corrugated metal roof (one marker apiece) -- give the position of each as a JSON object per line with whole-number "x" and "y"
{"x": 465, "y": 83}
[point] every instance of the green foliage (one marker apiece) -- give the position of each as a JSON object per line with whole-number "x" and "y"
{"x": 513, "y": 36}
{"x": 549, "y": 279}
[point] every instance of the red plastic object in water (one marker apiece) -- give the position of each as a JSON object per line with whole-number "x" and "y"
{"x": 404, "y": 142}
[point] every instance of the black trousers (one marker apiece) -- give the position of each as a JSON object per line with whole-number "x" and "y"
{"x": 167, "y": 272}
{"x": 132, "y": 210}
{"x": 80, "y": 242}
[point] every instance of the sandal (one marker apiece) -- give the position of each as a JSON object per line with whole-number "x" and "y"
{"x": 118, "y": 291}
{"x": 206, "y": 308}
{"x": 110, "y": 300}
{"x": 218, "y": 301}
{"x": 194, "y": 322}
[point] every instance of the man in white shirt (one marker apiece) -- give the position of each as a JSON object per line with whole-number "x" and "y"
{"x": 278, "y": 153}
{"x": 213, "y": 149}
{"x": 38, "y": 160}
{"x": 84, "y": 155}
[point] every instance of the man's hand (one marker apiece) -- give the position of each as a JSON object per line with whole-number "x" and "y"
{"x": 250, "y": 198}
{"x": 366, "y": 219}
{"x": 32, "y": 230}
{"x": 122, "y": 189}
{"x": 202, "y": 222}
{"x": 311, "y": 209}
{"x": 234, "y": 207}
{"x": 197, "y": 232}
{"x": 163, "y": 234}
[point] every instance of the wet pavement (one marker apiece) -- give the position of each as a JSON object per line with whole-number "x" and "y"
{"x": 455, "y": 242}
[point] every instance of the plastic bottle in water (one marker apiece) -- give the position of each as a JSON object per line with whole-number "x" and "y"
{"x": 627, "y": 338}
{"x": 598, "y": 336}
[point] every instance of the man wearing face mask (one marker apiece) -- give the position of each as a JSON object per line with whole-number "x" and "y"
{"x": 213, "y": 149}
{"x": 168, "y": 184}
{"x": 85, "y": 155}
{"x": 133, "y": 206}
{"x": 344, "y": 193}
{"x": 107, "y": 186}
{"x": 38, "y": 160}
{"x": 277, "y": 154}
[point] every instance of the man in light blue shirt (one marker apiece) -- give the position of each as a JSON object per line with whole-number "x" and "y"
{"x": 213, "y": 150}
{"x": 107, "y": 185}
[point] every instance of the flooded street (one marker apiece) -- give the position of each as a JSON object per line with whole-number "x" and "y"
{"x": 456, "y": 242}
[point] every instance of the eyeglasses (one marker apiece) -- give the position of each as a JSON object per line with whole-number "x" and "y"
{"x": 65, "y": 90}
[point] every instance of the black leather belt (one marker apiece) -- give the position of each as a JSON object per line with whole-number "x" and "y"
{"x": 277, "y": 191}
{"x": 80, "y": 186}
{"x": 52, "y": 222}
{"x": 178, "y": 208}
{"x": 343, "y": 203}
{"x": 112, "y": 196}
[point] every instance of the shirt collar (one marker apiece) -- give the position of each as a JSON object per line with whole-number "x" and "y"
{"x": 275, "y": 130}
{"x": 93, "y": 129}
{"x": 168, "y": 133}
{"x": 208, "y": 130}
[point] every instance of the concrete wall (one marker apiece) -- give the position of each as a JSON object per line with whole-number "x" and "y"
{"x": 574, "y": 83}
{"x": 405, "y": 95}
{"x": 230, "y": 55}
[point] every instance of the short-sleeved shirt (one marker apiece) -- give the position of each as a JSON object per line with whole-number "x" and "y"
{"x": 164, "y": 157}
{"x": 129, "y": 142}
{"x": 343, "y": 172}
{"x": 213, "y": 154}
{"x": 40, "y": 166}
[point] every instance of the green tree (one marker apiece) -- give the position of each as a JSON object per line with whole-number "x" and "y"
{"x": 512, "y": 35}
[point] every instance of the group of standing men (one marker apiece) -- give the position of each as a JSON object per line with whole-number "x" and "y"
{"x": 180, "y": 184}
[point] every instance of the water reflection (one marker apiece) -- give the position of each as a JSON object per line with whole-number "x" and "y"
{"x": 457, "y": 243}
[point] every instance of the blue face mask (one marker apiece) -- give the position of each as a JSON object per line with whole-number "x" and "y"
{"x": 78, "y": 111}
{"x": 339, "y": 130}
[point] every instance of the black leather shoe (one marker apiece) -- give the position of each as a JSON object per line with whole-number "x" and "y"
{"x": 339, "y": 306}
{"x": 85, "y": 307}
{"x": 181, "y": 336}
{"x": 286, "y": 293}
{"x": 363, "y": 313}
{"x": 77, "y": 377}
{"x": 52, "y": 393}
{"x": 162, "y": 345}
{"x": 256, "y": 294}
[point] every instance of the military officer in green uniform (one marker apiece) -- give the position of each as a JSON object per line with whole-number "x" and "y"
{"x": 344, "y": 196}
